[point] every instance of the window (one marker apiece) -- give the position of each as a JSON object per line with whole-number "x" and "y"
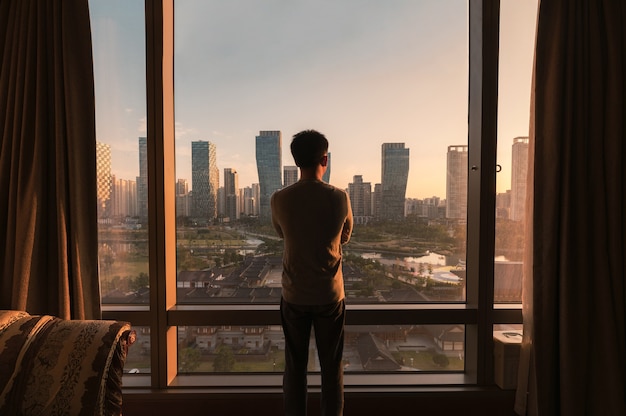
{"x": 419, "y": 274}
{"x": 122, "y": 171}
{"x": 247, "y": 81}
{"x": 516, "y": 52}
{"x": 118, "y": 36}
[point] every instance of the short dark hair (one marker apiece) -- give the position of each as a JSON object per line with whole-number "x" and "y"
{"x": 308, "y": 147}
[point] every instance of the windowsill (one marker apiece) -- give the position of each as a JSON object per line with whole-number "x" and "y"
{"x": 237, "y": 383}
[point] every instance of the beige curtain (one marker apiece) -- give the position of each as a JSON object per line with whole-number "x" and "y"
{"x": 48, "y": 229}
{"x": 574, "y": 349}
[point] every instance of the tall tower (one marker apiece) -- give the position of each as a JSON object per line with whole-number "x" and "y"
{"x": 394, "y": 177}
{"x": 142, "y": 180}
{"x": 377, "y": 200}
{"x": 248, "y": 201}
{"x": 256, "y": 196}
{"x": 124, "y": 198}
{"x": 519, "y": 169}
{"x": 205, "y": 178}
{"x": 231, "y": 190}
{"x": 456, "y": 182}
{"x": 182, "y": 198}
{"x": 103, "y": 179}
{"x": 290, "y": 175}
{"x": 326, "y": 176}
{"x": 360, "y": 199}
{"x": 268, "y": 163}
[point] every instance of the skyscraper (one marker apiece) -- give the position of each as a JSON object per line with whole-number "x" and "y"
{"x": 142, "y": 180}
{"x": 268, "y": 163}
{"x": 124, "y": 198}
{"x": 250, "y": 198}
{"x": 103, "y": 179}
{"x": 377, "y": 200}
{"x": 182, "y": 198}
{"x": 394, "y": 177}
{"x": 205, "y": 178}
{"x": 503, "y": 205}
{"x": 519, "y": 169}
{"x": 290, "y": 175}
{"x": 456, "y": 182}
{"x": 231, "y": 190}
{"x": 326, "y": 176}
{"x": 360, "y": 199}
{"x": 256, "y": 195}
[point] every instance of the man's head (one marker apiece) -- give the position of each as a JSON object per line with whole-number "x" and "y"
{"x": 309, "y": 148}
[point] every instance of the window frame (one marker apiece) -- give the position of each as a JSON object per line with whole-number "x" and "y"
{"x": 478, "y": 314}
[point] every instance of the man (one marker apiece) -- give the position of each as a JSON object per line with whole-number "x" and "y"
{"x": 314, "y": 219}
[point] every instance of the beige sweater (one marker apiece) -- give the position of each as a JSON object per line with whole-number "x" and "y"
{"x": 314, "y": 219}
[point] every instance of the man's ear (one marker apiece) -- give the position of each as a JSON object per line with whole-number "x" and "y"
{"x": 324, "y": 160}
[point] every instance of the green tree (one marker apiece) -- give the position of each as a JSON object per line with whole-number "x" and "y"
{"x": 188, "y": 359}
{"x": 441, "y": 360}
{"x": 142, "y": 280}
{"x": 225, "y": 359}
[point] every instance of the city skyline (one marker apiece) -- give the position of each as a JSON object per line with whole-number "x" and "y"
{"x": 116, "y": 195}
{"x": 208, "y": 170}
{"x": 362, "y": 74}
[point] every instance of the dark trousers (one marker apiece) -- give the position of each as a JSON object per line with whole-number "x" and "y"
{"x": 328, "y": 323}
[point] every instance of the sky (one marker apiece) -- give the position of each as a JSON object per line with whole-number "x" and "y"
{"x": 363, "y": 72}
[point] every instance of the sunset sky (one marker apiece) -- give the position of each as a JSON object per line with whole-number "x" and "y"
{"x": 363, "y": 72}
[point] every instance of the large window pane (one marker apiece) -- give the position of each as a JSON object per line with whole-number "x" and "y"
{"x": 385, "y": 81}
{"x": 516, "y": 58}
{"x": 368, "y": 348}
{"x": 118, "y": 33}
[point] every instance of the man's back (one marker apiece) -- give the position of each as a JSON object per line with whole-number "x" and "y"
{"x": 315, "y": 219}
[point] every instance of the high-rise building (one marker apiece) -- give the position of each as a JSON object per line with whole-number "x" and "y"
{"x": 268, "y": 163}
{"x": 423, "y": 208}
{"x": 503, "y": 205}
{"x": 290, "y": 175}
{"x": 326, "y": 176}
{"x": 394, "y": 177}
{"x": 377, "y": 200}
{"x": 182, "y": 187}
{"x": 456, "y": 182}
{"x": 256, "y": 194}
{"x": 249, "y": 201}
{"x": 360, "y": 194}
{"x": 221, "y": 203}
{"x": 103, "y": 179}
{"x": 142, "y": 180}
{"x": 231, "y": 197}
{"x": 205, "y": 179}
{"x": 519, "y": 169}
{"x": 432, "y": 207}
{"x": 123, "y": 198}
{"x": 183, "y": 199}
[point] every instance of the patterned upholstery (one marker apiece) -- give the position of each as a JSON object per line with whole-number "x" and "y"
{"x": 51, "y": 366}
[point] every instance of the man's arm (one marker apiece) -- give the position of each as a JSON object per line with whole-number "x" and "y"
{"x": 279, "y": 230}
{"x": 346, "y": 232}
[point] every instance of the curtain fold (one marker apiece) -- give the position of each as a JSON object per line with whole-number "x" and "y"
{"x": 573, "y": 355}
{"x": 48, "y": 217}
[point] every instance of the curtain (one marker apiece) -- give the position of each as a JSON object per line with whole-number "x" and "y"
{"x": 48, "y": 225}
{"x": 574, "y": 349}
